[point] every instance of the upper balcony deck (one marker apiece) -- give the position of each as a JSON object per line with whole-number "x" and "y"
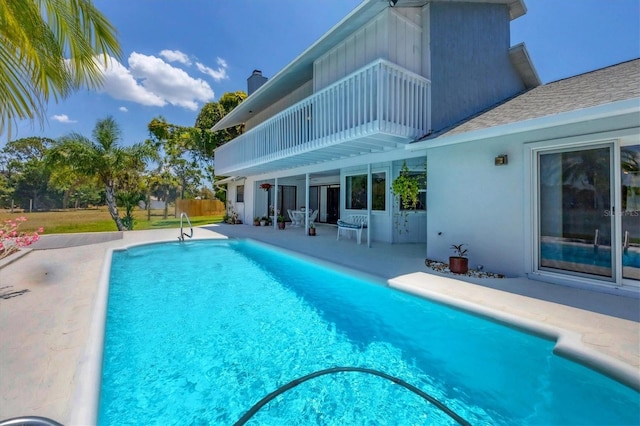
{"x": 378, "y": 107}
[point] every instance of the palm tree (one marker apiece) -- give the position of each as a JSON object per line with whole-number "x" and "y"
{"x": 48, "y": 49}
{"x": 103, "y": 158}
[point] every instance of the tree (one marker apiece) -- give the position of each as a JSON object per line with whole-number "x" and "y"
{"x": 178, "y": 165}
{"x": 35, "y": 36}
{"x": 23, "y": 165}
{"x": 209, "y": 115}
{"x": 81, "y": 189}
{"x": 112, "y": 164}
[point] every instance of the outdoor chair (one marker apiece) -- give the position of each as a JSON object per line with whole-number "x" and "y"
{"x": 292, "y": 217}
{"x": 313, "y": 217}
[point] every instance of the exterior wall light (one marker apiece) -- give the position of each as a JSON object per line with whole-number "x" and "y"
{"x": 501, "y": 160}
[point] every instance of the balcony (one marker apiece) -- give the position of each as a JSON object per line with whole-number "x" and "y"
{"x": 379, "y": 107}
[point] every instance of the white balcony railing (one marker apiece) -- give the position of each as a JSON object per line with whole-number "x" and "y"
{"x": 379, "y": 98}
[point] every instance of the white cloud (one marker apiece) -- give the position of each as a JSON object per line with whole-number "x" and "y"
{"x": 172, "y": 84}
{"x": 120, "y": 84}
{"x": 175, "y": 56}
{"x": 151, "y": 81}
{"x": 63, "y": 118}
{"x": 123, "y": 109}
{"x": 217, "y": 74}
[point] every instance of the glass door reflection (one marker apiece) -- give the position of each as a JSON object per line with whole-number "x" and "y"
{"x": 630, "y": 211}
{"x": 575, "y": 211}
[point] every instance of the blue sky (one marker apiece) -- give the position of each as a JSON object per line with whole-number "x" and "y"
{"x": 180, "y": 54}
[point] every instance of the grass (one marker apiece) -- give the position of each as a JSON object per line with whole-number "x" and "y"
{"x": 96, "y": 220}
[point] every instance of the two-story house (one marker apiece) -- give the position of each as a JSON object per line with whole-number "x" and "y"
{"x": 537, "y": 180}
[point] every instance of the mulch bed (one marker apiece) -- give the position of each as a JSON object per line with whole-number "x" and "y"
{"x": 444, "y": 268}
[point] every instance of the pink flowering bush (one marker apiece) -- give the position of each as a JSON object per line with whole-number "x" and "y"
{"x": 11, "y": 239}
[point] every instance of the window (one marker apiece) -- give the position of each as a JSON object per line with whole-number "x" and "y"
{"x": 356, "y": 191}
{"x": 240, "y": 194}
{"x": 379, "y": 190}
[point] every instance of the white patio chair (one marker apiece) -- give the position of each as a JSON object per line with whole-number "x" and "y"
{"x": 313, "y": 217}
{"x": 292, "y": 217}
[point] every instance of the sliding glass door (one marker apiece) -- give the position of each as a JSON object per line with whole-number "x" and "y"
{"x": 588, "y": 212}
{"x": 576, "y": 220}
{"x": 630, "y": 211}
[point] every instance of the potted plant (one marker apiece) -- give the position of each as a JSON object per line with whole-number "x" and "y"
{"x": 406, "y": 190}
{"x": 459, "y": 264}
{"x": 281, "y": 220}
{"x": 312, "y": 230}
{"x": 263, "y": 221}
{"x": 256, "y": 221}
{"x": 265, "y": 186}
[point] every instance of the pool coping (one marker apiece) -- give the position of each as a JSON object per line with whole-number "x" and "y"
{"x": 86, "y": 396}
{"x": 568, "y": 344}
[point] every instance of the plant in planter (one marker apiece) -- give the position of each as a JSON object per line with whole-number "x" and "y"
{"x": 406, "y": 189}
{"x": 312, "y": 230}
{"x": 459, "y": 264}
{"x": 264, "y": 220}
{"x": 266, "y": 186}
{"x": 231, "y": 216}
{"x": 256, "y": 221}
{"x": 281, "y": 222}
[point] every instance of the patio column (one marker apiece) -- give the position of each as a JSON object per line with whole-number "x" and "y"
{"x": 275, "y": 205}
{"x": 306, "y": 203}
{"x": 369, "y": 203}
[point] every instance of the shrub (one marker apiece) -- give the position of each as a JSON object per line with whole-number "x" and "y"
{"x": 12, "y": 240}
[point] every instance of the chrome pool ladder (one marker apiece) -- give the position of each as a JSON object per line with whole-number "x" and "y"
{"x": 182, "y": 233}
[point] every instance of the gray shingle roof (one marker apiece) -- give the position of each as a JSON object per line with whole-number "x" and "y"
{"x": 614, "y": 83}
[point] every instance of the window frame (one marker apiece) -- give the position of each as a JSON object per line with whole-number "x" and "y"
{"x": 240, "y": 194}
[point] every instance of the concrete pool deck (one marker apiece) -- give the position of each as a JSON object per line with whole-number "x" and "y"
{"x": 47, "y": 297}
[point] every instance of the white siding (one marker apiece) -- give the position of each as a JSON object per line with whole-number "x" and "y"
{"x": 405, "y": 40}
{"x": 392, "y": 35}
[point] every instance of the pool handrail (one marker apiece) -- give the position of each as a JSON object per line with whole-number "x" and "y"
{"x": 182, "y": 233}
{"x": 29, "y": 421}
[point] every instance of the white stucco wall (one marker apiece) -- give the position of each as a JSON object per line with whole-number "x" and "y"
{"x": 472, "y": 201}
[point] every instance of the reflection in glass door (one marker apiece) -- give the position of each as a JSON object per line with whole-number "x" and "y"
{"x": 630, "y": 211}
{"x": 575, "y": 216}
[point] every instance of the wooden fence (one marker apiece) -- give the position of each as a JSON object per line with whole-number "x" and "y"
{"x": 200, "y": 207}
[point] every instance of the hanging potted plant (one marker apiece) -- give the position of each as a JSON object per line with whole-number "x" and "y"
{"x": 266, "y": 186}
{"x": 312, "y": 230}
{"x": 406, "y": 189}
{"x": 459, "y": 264}
{"x": 281, "y": 220}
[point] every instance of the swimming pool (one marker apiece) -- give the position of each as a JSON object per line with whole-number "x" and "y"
{"x": 198, "y": 332}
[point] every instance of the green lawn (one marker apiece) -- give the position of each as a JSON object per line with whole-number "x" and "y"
{"x": 96, "y": 220}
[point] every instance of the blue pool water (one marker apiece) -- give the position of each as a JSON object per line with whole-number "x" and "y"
{"x": 587, "y": 254}
{"x": 198, "y": 332}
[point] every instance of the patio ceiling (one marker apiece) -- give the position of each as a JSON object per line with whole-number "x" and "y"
{"x": 350, "y": 148}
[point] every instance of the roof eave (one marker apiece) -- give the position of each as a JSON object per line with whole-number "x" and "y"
{"x": 627, "y": 106}
{"x": 519, "y": 57}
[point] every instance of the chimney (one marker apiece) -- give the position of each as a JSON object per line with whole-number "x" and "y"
{"x": 255, "y": 81}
